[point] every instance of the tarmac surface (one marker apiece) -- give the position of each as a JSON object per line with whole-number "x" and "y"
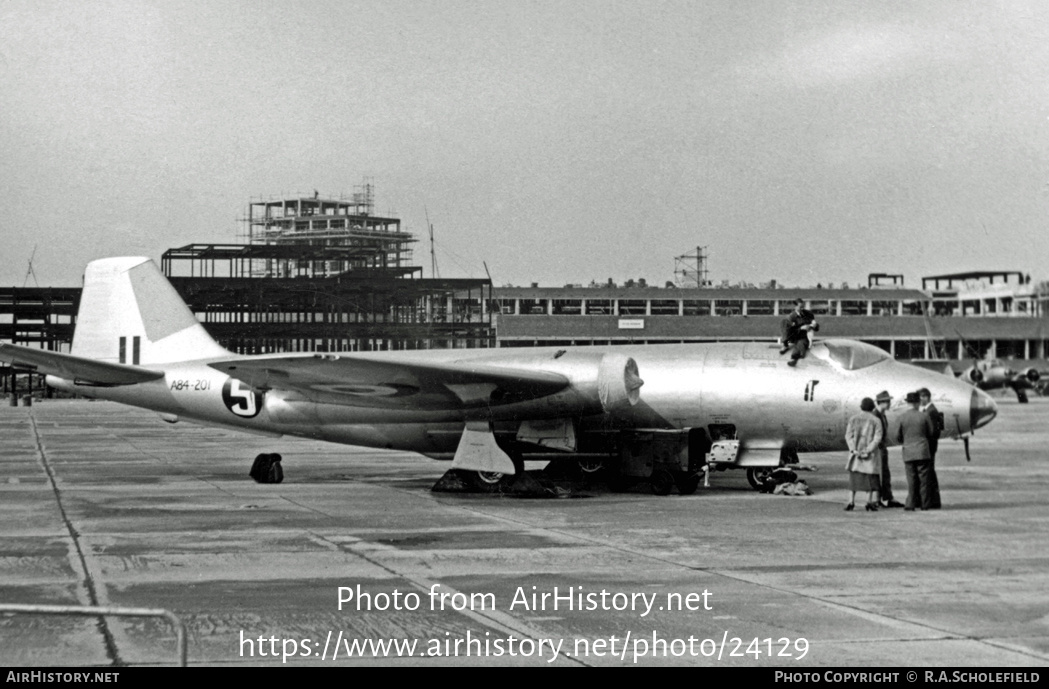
{"x": 107, "y": 505}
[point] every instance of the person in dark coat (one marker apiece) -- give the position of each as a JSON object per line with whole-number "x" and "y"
{"x": 925, "y": 405}
{"x": 916, "y": 428}
{"x": 883, "y": 402}
{"x": 796, "y": 332}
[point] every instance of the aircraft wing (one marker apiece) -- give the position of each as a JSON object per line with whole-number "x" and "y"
{"x": 383, "y": 383}
{"x": 75, "y": 368}
{"x": 1026, "y": 378}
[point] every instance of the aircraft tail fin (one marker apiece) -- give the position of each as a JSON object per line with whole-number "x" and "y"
{"x": 130, "y": 314}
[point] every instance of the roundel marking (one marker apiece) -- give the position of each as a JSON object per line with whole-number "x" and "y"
{"x": 388, "y": 390}
{"x": 241, "y": 399}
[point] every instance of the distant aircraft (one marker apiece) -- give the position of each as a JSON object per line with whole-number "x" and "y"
{"x": 666, "y": 412}
{"x": 992, "y": 374}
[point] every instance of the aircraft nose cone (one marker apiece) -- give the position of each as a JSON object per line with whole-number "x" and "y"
{"x": 982, "y": 409}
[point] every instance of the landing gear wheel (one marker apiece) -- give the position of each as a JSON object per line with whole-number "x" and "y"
{"x": 489, "y": 481}
{"x": 590, "y": 466}
{"x": 687, "y": 483}
{"x": 759, "y": 476}
{"x": 490, "y": 478}
{"x": 590, "y": 469}
{"x": 661, "y": 482}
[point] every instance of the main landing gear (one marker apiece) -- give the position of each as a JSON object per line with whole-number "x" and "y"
{"x": 496, "y": 481}
{"x": 266, "y": 469}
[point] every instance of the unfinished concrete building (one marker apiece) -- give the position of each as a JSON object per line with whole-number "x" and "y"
{"x": 326, "y": 274}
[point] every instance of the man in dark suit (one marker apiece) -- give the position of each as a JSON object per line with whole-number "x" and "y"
{"x": 916, "y": 428}
{"x": 883, "y": 402}
{"x": 925, "y": 405}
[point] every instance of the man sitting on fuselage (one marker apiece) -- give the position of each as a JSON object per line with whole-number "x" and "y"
{"x": 798, "y": 329}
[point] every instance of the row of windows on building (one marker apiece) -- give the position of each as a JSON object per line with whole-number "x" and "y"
{"x": 701, "y": 307}
{"x": 900, "y": 349}
{"x": 761, "y": 307}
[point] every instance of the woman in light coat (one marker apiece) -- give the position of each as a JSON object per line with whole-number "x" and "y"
{"x": 863, "y": 434}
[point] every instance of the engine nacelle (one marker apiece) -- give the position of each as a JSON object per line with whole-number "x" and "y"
{"x": 601, "y": 382}
{"x": 1032, "y": 375}
{"x": 618, "y": 382}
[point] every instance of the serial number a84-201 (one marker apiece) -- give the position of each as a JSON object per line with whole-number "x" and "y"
{"x": 191, "y": 384}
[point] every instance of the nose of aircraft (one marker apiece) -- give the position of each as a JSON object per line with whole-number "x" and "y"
{"x": 982, "y": 409}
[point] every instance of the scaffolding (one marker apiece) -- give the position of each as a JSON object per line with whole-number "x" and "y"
{"x": 347, "y": 226}
{"x": 690, "y": 270}
{"x": 42, "y": 317}
{"x": 326, "y": 274}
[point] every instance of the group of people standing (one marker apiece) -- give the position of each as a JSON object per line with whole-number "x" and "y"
{"x": 867, "y": 433}
{"x": 868, "y": 464}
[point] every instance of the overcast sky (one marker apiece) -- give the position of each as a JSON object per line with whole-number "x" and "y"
{"x": 560, "y": 142}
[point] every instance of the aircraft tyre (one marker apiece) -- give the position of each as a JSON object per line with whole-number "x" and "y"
{"x": 590, "y": 470}
{"x": 687, "y": 483}
{"x": 496, "y": 481}
{"x": 589, "y": 467}
{"x": 759, "y": 476}
{"x": 765, "y": 479}
{"x": 662, "y": 481}
{"x": 487, "y": 481}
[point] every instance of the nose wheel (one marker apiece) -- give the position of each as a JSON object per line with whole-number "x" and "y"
{"x": 761, "y": 478}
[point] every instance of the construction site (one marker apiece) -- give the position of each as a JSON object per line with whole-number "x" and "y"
{"x": 312, "y": 274}
{"x": 326, "y": 275}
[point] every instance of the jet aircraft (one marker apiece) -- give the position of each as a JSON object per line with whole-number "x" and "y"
{"x": 670, "y": 412}
{"x": 993, "y": 374}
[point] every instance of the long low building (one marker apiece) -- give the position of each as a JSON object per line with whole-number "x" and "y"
{"x": 900, "y": 321}
{"x": 960, "y": 321}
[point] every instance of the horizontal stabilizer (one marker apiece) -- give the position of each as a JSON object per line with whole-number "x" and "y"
{"x": 82, "y": 371}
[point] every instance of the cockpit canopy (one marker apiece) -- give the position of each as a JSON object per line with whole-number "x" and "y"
{"x": 851, "y": 355}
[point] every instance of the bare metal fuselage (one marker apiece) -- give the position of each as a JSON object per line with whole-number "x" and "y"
{"x": 746, "y": 387}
